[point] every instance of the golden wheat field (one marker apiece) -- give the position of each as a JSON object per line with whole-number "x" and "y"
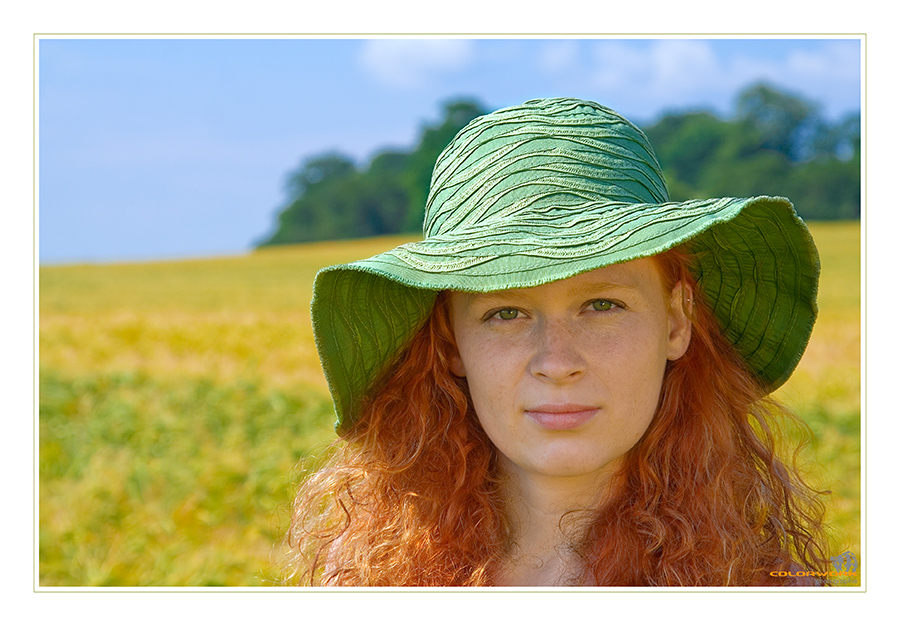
{"x": 176, "y": 400}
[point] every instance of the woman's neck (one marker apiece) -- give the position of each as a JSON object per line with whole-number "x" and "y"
{"x": 548, "y": 514}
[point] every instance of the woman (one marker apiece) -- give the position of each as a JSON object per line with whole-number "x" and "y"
{"x": 565, "y": 382}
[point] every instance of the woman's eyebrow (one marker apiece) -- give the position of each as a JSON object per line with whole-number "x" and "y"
{"x": 600, "y": 286}
{"x": 497, "y": 298}
{"x": 476, "y": 298}
{"x": 518, "y": 295}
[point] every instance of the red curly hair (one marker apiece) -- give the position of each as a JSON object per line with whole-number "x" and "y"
{"x": 413, "y": 496}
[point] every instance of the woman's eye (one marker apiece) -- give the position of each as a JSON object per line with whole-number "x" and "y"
{"x": 603, "y": 305}
{"x": 507, "y": 314}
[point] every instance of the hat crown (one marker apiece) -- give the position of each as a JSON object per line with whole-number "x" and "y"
{"x": 545, "y": 156}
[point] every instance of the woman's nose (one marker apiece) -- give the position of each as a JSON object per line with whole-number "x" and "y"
{"x": 558, "y": 356}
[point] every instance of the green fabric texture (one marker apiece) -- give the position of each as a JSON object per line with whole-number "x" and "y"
{"x": 540, "y": 192}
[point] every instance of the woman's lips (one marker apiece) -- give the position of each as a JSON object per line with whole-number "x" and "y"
{"x": 561, "y": 416}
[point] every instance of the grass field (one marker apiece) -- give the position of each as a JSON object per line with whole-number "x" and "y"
{"x": 177, "y": 398}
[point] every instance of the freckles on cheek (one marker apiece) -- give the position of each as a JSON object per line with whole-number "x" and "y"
{"x": 490, "y": 384}
{"x": 481, "y": 374}
{"x": 633, "y": 374}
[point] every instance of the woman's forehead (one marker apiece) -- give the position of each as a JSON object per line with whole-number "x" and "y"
{"x": 636, "y": 275}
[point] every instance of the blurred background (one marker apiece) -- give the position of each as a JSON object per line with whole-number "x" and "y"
{"x": 165, "y": 148}
{"x": 189, "y": 189}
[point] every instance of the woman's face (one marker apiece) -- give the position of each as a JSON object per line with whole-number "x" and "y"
{"x": 565, "y": 377}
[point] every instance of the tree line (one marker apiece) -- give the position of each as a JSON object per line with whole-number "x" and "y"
{"x": 775, "y": 144}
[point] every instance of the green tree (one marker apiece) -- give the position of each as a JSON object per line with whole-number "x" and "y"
{"x": 330, "y": 198}
{"x": 687, "y": 143}
{"x": 318, "y": 201}
{"x": 433, "y": 140}
{"x": 777, "y": 144}
{"x": 319, "y": 170}
{"x": 784, "y": 123}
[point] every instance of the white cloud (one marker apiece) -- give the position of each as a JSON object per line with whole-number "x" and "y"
{"x": 640, "y": 76}
{"x": 411, "y": 62}
{"x": 557, "y": 55}
{"x": 670, "y": 58}
{"x": 831, "y": 76}
{"x": 672, "y": 71}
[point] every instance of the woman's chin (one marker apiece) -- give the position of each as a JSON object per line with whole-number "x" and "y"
{"x": 566, "y": 462}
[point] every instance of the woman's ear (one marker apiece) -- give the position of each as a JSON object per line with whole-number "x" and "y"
{"x": 681, "y": 306}
{"x": 456, "y": 364}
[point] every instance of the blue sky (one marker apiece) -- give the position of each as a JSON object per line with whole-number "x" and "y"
{"x": 169, "y": 148}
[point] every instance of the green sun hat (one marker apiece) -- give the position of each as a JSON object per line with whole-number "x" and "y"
{"x": 540, "y": 192}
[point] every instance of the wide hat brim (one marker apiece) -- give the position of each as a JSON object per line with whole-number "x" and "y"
{"x": 754, "y": 259}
